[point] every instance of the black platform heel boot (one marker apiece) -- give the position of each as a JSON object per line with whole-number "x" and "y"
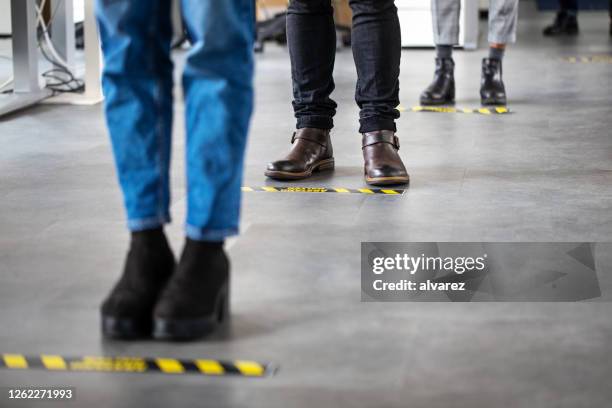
{"x": 196, "y": 300}
{"x": 127, "y": 313}
{"x": 492, "y": 89}
{"x": 442, "y": 90}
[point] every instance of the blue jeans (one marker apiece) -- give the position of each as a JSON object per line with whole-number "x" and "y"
{"x": 217, "y": 83}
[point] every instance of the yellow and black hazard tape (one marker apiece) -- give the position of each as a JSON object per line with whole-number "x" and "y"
{"x": 498, "y": 110}
{"x": 284, "y": 189}
{"x": 589, "y": 59}
{"x": 49, "y": 362}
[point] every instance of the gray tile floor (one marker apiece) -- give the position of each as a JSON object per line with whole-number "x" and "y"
{"x": 543, "y": 173}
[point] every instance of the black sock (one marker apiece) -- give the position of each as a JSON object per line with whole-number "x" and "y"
{"x": 444, "y": 51}
{"x": 496, "y": 53}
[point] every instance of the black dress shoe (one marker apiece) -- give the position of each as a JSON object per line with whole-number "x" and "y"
{"x": 492, "y": 90}
{"x": 312, "y": 151}
{"x": 442, "y": 90}
{"x": 196, "y": 300}
{"x": 127, "y": 313}
{"x": 563, "y": 24}
{"x": 382, "y": 163}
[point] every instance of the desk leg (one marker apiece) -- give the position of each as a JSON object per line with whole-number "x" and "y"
{"x": 25, "y": 53}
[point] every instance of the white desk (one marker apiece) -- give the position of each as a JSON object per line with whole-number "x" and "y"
{"x": 28, "y": 86}
{"x": 417, "y": 29}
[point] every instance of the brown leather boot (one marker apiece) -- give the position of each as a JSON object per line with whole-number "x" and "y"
{"x": 312, "y": 151}
{"x": 383, "y": 165}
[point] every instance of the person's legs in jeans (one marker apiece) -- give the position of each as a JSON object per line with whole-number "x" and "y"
{"x": 445, "y": 22}
{"x": 138, "y": 88}
{"x": 137, "y": 83}
{"x": 376, "y": 42}
{"x": 218, "y": 88}
{"x": 311, "y": 37}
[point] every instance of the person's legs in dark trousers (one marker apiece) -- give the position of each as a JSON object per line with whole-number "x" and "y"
{"x": 312, "y": 45}
{"x": 311, "y": 38}
{"x": 137, "y": 82}
{"x": 376, "y": 42}
{"x": 566, "y": 20}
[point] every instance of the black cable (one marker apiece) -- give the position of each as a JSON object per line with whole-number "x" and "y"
{"x": 72, "y": 84}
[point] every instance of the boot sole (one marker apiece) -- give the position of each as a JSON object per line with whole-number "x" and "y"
{"x": 125, "y": 328}
{"x": 387, "y": 181}
{"x": 170, "y": 329}
{"x": 432, "y": 102}
{"x": 493, "y": 102}
{"x": 327, "y": 164}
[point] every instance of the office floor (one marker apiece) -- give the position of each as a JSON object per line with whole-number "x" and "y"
{"x": 543, "y": 173}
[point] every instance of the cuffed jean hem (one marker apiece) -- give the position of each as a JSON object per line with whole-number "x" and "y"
{"x": 317, "y": 122}
{"x": 141, "y": 224}
{"x": 209, "y": 235}
{"x": 374, "y": 124}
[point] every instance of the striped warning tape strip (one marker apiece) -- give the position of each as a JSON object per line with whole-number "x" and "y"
{"x": 282, "y": 189}
{"x": 51, "y": 362}
{"x": 498, "y": 110}
{"x": 589, "y": 59}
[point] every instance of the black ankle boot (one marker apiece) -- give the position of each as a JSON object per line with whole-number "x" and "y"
{"x": 196, "y": 300}
{"x": 492, "y": 90}
{"x": 442, "y": 90}
{"x": 127, "y": 312}
{"x": 563, "y": 24}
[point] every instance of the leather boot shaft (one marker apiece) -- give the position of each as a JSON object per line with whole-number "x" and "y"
{"x": 492, "y": 89}
{"x": 382, "y": 163}
{"x": 442, "y": 89}
{"x": 312, "y": 151}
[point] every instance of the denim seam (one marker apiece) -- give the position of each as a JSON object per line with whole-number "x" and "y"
{"x": 160, "y": 147}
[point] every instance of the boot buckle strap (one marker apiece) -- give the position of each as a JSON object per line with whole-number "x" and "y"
{"x": 313, "y": 140}
{"x": 373, "y": 139}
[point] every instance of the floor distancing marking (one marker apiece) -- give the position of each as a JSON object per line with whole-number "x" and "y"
{"x": 171, "y": 366}
{"x": 589, "y": 59}
{"x": 285, "y": 189}
{"x": 498, "y": 110}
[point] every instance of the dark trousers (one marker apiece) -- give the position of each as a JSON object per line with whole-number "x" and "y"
{"x": 376, "y": 45}
{"x": 572, "y": 5}
{"x": 569, "y": 5}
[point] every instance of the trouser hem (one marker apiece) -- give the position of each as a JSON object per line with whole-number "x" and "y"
{"x": 497, "y": 39}
{"x": 374, "y": 124}
{"x": 141, "y": 224}
{"x": 317, "y": 122}
{"x": 205, "y": 234}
